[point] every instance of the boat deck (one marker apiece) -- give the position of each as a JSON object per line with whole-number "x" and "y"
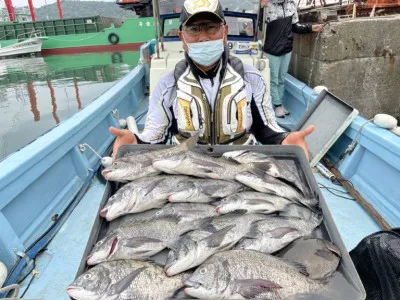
{"x": 57, "y": 266}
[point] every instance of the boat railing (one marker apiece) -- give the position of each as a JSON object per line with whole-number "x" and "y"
{"x": 31, "y": 35}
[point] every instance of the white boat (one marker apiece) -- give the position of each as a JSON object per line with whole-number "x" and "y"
{"x": 33, "y": 44}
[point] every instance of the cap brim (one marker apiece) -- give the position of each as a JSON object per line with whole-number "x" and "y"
{"x": 204, "y": 12}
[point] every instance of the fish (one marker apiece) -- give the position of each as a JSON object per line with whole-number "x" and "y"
{"x": 274, "y": 233}
{"x": 204, "y": 190}
{"x": 239, "y": 274}
{"x": 265, "y": 183}
{"x": 221, "y": 234}
{"x": 320, "y": 257}
{"x": 203, "y": 166}
{"x": 125, "y": 279}
{"x": 252, "y": 202}
{"x": 140, "y": 195}
{"x": 138, "y": 164}
{"x": 284, "y": 169}
{"x": 141, "y": 240}
{"x": 186, "y": 212}
{"x": 295, "y": 210}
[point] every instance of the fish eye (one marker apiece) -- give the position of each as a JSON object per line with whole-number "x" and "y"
{"x": 99, "y": 243}
{"x": 203, "y": 271}
{"x": 87, "y": 276}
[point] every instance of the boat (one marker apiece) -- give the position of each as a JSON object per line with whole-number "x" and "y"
{"x": 50, "y": 192}
{"x": 82, "y": 35}
{"x": 23, "y": 46}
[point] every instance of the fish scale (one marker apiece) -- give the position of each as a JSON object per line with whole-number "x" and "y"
{"x": 140, "y": 195}
{"x": 220, "y": 234}
{"x": 274, "y": 233}
{"x": 239, "y": 274}
{"x": 137, "y": 165}
{"x": 186, "y": 212}
{"x": 125, "y": 279}
{"x": 203, "y": 166}
{"x": 139, "y": 241}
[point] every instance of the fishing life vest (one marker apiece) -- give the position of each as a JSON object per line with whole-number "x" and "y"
{"x": 230, "y": 118}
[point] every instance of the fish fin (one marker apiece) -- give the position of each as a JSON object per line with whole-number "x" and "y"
{"x": 257, "y": 201}
{"x": 253, "y": 232}
{"x": 180, "y": 294}
{"x": 300, "y": 267}
{"x": 281, "y": 232}
{"x": 251, "y": 288}
{"x": 123, "y": 284}
{"x": 154, "y": 262}
{"x": 216, "y": 203}
{"x": 240, "y": 211}
{"x": 206, "y": 225}
{"x": 140, "y": 241}
{"x": 214, "y": 240}
{"x": 191, "y": 142}
{"x": 151, "y": 186}
{"x": 326, "y": 278}
{"x": 333, "y": 248}
{"x": 176, "y": 243}
{"x": 263, "y": 167}
{"x": 324, "y": 253}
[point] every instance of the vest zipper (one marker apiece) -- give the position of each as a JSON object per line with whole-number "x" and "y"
{"x": 230, "y": 104}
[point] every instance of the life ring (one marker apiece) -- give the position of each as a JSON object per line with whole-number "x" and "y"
{"x": 113, "y": 38}
{"x": 116, "y": 58}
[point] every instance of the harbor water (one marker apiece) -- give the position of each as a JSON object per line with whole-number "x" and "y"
{"x": 38, "y": 93}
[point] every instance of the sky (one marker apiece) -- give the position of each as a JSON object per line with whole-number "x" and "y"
{"x": 38, "y": 3}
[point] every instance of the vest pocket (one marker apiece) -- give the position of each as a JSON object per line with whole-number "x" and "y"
{"x": 189, "y": 114}
{"x": 236, "y": 114}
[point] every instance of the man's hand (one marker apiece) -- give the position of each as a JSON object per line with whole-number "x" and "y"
{"x": 297, "y": 138}
{"x": 264, "y": 3}
{"x": 317, "y": 27}
{"x": 124, "y": 137}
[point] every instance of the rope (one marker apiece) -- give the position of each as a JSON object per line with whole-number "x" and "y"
{"x": 94, "y": 151}
{"x": 353, "y": 143}
{"x": 15, "y": 287}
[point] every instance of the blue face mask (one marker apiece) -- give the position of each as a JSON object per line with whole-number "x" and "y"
{"x": 206, "y": 53}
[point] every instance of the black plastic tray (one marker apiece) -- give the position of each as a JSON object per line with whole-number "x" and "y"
{"x": 346, "y": 280}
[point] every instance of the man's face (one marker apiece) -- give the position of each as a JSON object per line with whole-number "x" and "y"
{"x": 203, "y": 28}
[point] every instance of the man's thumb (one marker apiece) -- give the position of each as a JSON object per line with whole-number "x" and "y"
{"x": 307, "y": 131}
{"x": 116, "y": 131}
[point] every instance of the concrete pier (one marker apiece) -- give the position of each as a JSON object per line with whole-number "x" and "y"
{"x": 357, "y": 59}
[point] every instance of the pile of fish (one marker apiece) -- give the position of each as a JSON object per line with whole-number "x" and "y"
{"x": 187, "y": 224}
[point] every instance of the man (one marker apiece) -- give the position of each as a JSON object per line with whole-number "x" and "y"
{"x": 282, "y": 20}
{"x": 210, "y": 92}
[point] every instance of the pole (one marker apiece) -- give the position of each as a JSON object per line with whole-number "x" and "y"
{"x": 60, "y": 11}
{"x": 10, "y": 9}
{"x": 32, "y": 9}
{"x": 155, "y": 12}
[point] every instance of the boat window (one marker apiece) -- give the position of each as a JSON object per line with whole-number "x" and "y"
{"x": 238, "y": 27}
{"x": 171, "y": 27}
